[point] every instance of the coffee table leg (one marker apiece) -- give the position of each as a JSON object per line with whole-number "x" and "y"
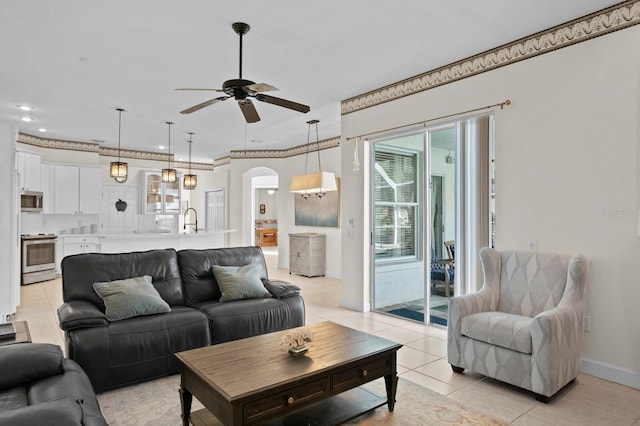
{"x": 185, "y": 401}
{"x": 391, "y": 382}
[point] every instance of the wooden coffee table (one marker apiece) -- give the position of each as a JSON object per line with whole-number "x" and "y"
{"x": 255, "y": 380}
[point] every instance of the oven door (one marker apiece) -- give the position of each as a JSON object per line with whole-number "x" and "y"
{"x": 38, "y": 255}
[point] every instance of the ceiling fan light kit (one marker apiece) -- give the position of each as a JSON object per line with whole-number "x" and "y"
{"x": 117, "y": 169}
{"x": 190, "y": 180}
{"x": 313, "y": 184}
{"x": 169, "y": 175}
{"x": 241, "y": 89}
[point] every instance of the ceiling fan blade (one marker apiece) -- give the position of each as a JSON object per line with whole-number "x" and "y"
{"x": 282, "y": 102}
{"x": 260, "y": 87}
{"x": 248, "y": 110}
{"x": 203, "y": 105}
{"x": 206, "y": 90}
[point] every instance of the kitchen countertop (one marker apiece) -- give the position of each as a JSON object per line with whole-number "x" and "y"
{"x": 137, "y": 235}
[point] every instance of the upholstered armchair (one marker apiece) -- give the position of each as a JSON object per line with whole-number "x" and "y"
{"x": 525, "y": 325}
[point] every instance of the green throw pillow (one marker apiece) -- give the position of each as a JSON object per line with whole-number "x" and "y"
{"x": 130, "y": 298}
{"x": 239, "y": 282}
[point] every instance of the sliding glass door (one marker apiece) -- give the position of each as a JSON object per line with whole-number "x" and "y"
{"x": 430, "y": 214}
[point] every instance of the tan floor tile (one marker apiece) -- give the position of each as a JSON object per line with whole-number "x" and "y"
{"x": 428, "y": 330}
{"x": 432, "y": 345}
{"x": 399, "y": 335}
{"x": 442, "y": 371}
{"x": 498, "y": 399}
{"x": 413, "y": 358}
{"x": 428, "y": 382}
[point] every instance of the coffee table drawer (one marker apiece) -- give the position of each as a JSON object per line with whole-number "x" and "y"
{"x": 364, "y": 373}
{"x": 280, "y": 403}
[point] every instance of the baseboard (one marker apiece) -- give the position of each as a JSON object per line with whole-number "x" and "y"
{"x": 610, "y": 372}
{"x": 355, "y": 306}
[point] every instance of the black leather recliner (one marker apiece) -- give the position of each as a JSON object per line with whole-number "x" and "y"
{"x": 136, "y": 349}
{"x": 38, "y": 386}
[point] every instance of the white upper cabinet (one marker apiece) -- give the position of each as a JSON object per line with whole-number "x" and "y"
{"x": 29, "y": 171}
{"x": 159, "y": 197}
{"x": 77, "y": 190}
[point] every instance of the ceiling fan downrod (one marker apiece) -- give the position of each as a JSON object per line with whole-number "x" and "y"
{"x": 241, "y": 29}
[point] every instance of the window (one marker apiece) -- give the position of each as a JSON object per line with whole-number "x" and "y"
{"x": 395, "y": 203}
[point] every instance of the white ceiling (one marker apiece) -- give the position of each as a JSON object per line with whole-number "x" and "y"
{"x": 75, "y": 61}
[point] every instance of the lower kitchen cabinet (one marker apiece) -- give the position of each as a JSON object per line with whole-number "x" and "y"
{"x": 77, "y": 245}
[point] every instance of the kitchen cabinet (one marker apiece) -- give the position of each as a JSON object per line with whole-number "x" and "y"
{"x": 78, "y": 245}
{"x": 28, "y": 165}
{"x": 47, "y": 187}
{"x": 307, "y": 254}
{"x": 159, "y": 197}
{"x": 76, "y": 189}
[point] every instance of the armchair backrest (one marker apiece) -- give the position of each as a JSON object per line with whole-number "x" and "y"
{"x": 531, "y": 282}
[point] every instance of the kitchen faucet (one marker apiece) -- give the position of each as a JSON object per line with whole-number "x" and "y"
{"x": 186, "y": 212}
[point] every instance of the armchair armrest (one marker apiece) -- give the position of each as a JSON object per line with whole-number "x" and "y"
{"x": 80, "y": 314}
{"x": 282, "y": 289}
{"x": 23, "y": 363}
{"x": 556, "y": 337}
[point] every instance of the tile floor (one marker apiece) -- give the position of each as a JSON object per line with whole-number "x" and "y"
{"x": 422, "y": 359}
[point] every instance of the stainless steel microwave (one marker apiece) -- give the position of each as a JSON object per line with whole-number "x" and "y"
{"x": 31, "y": 201}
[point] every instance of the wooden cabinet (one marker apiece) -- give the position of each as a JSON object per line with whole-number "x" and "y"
{"x": 159, "y": 197}
{"x": 307, "y": 254}
{"x": 28, "y": 166}
{"x": 266, "y": 237}
{"x": 76, "y": 190}
{"x": 47, "y": 187}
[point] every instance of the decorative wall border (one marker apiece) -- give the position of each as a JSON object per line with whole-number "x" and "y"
{"x": 107, "y": 152}
{"x": 289, "y": 152}
{"x": 605, "y": 21}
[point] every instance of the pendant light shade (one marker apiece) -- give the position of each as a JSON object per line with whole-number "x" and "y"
{"x": 313, "y": 184}
{"x": 190, "y": 180}
{"x": 117, "y": 169}
{"x": 169, "y": 175}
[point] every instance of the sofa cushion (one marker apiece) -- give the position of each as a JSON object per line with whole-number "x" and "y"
{"x": 195, "y": 269}
{"x": 80, "y": 271}
{"x": 23, "y": 363}
{"x": 500, "y": 329}
{"x": 131, "y": 297}
{"x": 12, "y": 398}
{"x": 239, "y": 282}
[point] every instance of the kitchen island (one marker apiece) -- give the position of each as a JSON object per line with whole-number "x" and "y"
{"x": 120, "y": 243}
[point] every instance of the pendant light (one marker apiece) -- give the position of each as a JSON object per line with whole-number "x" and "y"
{"x": 169, "y": 175}
{"x": 313, "y": 184}
{"x": 119, "y": 170}
{"x": 190, "y": 180}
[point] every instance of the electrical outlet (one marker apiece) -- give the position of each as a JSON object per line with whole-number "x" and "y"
{"x": 533, "y": 245}
{"x": 587, "y": 323}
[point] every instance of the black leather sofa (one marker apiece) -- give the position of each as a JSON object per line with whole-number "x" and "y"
{"x": 117, "y": 353}
{"x": 38, "y": 386}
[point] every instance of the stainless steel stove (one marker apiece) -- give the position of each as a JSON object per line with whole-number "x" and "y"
{"x": 38, "y": 257}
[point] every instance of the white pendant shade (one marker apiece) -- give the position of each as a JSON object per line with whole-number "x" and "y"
{"x": 313, "y": 183}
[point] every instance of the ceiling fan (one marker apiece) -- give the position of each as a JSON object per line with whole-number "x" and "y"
{"x": 241, "y": 90}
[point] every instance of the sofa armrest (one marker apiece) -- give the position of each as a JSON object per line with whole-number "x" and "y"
{"x": 556, "y": 338}
{"x": 282, "y": 289}
{"x": 80, "y": 314}
{"x": 25, "y": 362}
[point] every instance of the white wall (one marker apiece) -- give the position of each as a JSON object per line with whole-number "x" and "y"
{"x": 567, "y": 175}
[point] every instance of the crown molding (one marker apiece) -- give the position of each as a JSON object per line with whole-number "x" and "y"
{"x": 222, "y": 161}
{"x": 106, "y": 152}
{"x": 605, "y": 21}
{"x": 289, "y": 152}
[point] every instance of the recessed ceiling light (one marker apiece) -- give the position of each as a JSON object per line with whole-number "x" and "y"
{"x": 26, "y": 118}
{"x": 256, "y": 141}
{"x": 180, "y": 159}
{"x": 42, "y": 129}
{"x": 161, "y": 147}
{"x": 25, "y": 107}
